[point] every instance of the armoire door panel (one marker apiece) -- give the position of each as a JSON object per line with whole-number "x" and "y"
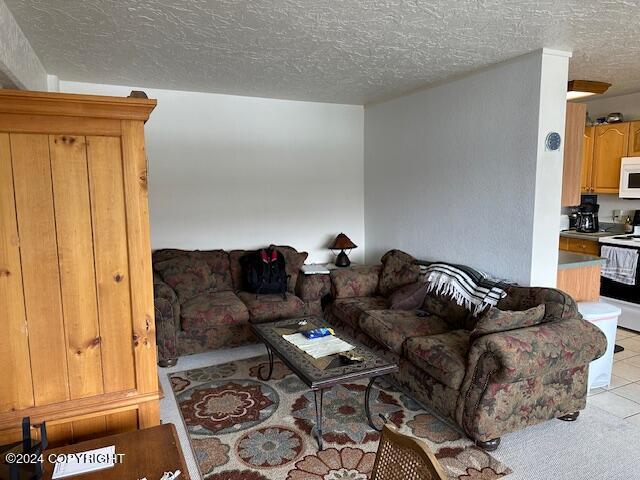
{"x": 77, "y": 273}
{"x": 39, "y": 259}
{"x": 111, "y": 261}
{"x": 17, "y": 392}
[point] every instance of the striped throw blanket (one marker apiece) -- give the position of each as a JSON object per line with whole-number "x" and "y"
{"x": 466, "y": 286}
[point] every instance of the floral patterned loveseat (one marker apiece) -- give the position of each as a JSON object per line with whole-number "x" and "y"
{"x": 200, "y": 305}
{"x": 490, "y": 384}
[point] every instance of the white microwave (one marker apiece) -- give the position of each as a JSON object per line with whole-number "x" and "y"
{"x": 630, "y": 177}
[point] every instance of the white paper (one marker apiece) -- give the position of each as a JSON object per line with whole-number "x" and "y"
{"x": 318, "y": 347}
{"x": 81, "y": 462}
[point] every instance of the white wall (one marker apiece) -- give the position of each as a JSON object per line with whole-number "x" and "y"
{"x": 20, "y": 67}
{"x": 451, "y": 171}
{"x": 240, "y": 172}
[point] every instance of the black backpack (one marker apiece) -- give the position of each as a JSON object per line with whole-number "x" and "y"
{"x": 264, "y": 272}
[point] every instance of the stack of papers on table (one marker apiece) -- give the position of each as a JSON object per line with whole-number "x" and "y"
{"x": 85, "y": 462}
{"x": 318, "y": 347}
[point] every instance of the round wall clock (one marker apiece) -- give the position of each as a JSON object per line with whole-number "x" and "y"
{"x": 553, "y": 141}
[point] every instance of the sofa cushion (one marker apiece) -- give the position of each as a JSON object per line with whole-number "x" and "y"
{"x": 208, "y": 309}
{"x": 398, "y": 269}
{"x": 188, "y": 274}
{"x": 496, "y": 320}
{"x": 218, "y": 261}
{"x": 442, "y": 356}
{"x": 293, "y": 263}
{"x": 392, "y": 328}
{"x": 409, "y": 297}
{"x": 359, "y": 281}
{"x": 267, "y": 308}
{"x": 348, "y": 310}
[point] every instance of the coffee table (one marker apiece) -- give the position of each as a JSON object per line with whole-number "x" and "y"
{"x": 325, "y": 372}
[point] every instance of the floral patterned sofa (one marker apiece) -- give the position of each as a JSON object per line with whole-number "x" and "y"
{"x": 200, "y": 305}
{"x": 490, "y": 384}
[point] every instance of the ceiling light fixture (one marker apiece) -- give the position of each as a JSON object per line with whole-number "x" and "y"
{"x": 585, "y": 88}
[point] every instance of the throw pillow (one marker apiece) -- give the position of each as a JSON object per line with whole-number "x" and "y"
{"x": 496, "y": 320}
{"x": 293, "y": 261}
{"x": 398, "y": 270}
{"x": 187, "y": 274}
{"x": 409, "y": 297}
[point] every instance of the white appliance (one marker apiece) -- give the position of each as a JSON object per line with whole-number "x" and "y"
{"x": 605, "y": 317}
{"x": 630, "y": 177}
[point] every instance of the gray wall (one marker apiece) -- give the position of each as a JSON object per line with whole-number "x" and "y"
{"x": 450, "y": 172}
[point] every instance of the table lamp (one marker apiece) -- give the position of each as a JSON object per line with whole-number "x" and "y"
{"x": 342, "y": 243}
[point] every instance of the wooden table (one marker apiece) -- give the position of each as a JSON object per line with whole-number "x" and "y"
{"x": 147, "y": 453}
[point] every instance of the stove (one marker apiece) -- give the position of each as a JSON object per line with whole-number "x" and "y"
{"x": 630, "y": 240}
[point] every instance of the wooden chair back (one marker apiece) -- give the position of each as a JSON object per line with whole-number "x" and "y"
{"x": 401, "y": 457}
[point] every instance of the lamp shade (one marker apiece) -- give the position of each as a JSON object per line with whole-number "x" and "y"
{"x": 342, "y": 242}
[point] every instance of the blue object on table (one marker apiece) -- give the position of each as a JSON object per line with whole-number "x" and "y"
{"x": 318, "y": 332}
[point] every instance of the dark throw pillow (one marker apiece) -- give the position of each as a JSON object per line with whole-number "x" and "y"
{"x": 496, "y": 320}
{"x": 409, "y": 297}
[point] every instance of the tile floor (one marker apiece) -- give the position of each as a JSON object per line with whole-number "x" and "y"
{"x": 622, "y": 397}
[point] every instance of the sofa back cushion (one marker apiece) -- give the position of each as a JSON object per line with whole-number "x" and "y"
{"x": 218, "y": 261}
{"x": 189, "y": 275}
{"x": 558, "y": 305}
{"x": 495, "y": 320}
{"x": 359, "y": 281}
{"x": 236, "y": 268}
{"x": 398, "y": 269}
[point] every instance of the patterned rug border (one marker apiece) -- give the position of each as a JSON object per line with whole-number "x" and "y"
{"x": 464, "y": 472}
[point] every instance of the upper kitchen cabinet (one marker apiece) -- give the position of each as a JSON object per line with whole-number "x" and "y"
{"x": 587, "y": 158}
{"x": 573, "y": 145}
{"x": 634, "y": 139}
{"x": 610, "y": 144}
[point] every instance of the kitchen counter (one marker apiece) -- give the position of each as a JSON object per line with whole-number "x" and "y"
{"x": 567, "y": 260}
{"x": 587, "y": 236}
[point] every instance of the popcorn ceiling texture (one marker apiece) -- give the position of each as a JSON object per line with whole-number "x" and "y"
{"x": 19, "y": 65}
{"x": 347, "y": 52}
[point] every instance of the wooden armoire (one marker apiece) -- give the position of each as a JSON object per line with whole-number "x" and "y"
{"x": 77, "y": 332}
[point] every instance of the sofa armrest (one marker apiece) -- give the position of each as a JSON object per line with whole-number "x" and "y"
{"x": 538, "y": 350}
{"x": 359, "y": 281}
{"x": 167, "y": 312}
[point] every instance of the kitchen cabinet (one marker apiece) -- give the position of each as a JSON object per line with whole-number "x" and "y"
{"x": 610, "y": 144}
{"x": 579, "y": 245}
{"x": 573, "y": 145}
{"x": 587, "y": 159}
{"x": 634, "y": 139}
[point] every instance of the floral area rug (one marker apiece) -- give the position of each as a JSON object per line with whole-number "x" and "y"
{"x": 242, "y": 428}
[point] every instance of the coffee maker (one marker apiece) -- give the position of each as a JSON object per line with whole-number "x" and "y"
{"x": 588, "y": 214}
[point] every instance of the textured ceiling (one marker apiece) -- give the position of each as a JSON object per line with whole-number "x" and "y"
{"x": 346, "y": 51}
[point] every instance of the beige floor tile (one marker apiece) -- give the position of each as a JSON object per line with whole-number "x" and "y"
{"x": 621, "y": 334}
{"x": 626, "y": 370}
{"x": 595, "y": 391}
{"x": 624, "y": 355}
{"x": 616, "y": 382}
{"x": 634, "y": 419}
{"x": 630, "y": 391}
{"x": 616, "y": 405}
{"x": 631, "y": 343}
{"x": 633, "y": 360}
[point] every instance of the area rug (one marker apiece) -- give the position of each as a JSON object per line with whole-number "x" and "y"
{"x": 242, "y": 428}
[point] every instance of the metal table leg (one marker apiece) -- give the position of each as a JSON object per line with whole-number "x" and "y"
{"x": 268, "y": 377}
{"x": 367, "y": 409}
{"x": 318, "y": 400}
